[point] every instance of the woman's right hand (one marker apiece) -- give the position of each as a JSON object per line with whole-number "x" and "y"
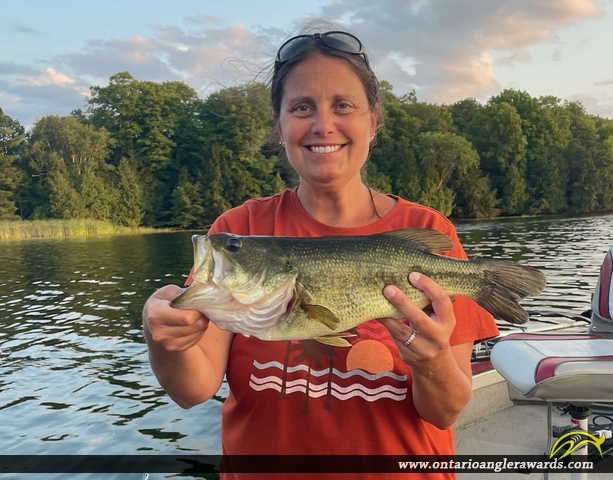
{"x": 171, "y": 328}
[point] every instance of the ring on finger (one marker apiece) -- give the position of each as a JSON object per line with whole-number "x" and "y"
{"x": 411, "y": 338}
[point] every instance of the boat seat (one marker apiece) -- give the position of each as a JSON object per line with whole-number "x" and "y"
{"x": 557, "y": 367}
{"x": 575, "y": 368}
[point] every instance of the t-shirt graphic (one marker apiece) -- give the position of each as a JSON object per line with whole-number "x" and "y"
{"x": 316, "y": 370}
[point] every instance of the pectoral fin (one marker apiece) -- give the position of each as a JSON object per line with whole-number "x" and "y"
{"x": 302, "y": 294}
{"x": 334, "y": 340}
{"x": 322, "y": 315}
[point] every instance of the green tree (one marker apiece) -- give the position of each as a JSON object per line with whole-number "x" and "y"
{"x": 474, "y": 196}
{"x": 463, "y": 113}
{"x": 441, "y": 157}
{"x": 129, "y": 210}
{"x": 394, "y": 154}
{"x": 239, "y": 120}
{"x": 212, "y": 180}
{"x": 11, "y": 137}
{"x": 545, "y": 126}
{"x": 146, "y": 120}
{"x": 99, "y": 195}
{"x": 375, "y": 179}
{"x": 141, "y": 117}
{"x": 605, "y": 164}
{"x": 589, "y": 161}
{"x": 186, "y": 197}
{"x": 496, "y": 134}
{"x": 64, "y": 199}
{"x": 61, "y": 142}
{"x": 432, "y": 118}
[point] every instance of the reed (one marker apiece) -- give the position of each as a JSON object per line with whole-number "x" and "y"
{"x": 62, "y": 228}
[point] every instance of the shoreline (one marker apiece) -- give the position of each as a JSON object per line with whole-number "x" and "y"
{"x": 49, "y": 228}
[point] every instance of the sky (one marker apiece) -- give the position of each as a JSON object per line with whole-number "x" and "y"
{"x": 445, "y": 50}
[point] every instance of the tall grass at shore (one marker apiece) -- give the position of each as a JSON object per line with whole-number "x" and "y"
{"x": 61, "y": 228}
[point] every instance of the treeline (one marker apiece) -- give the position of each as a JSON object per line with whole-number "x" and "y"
{"x": 147, "y": 153}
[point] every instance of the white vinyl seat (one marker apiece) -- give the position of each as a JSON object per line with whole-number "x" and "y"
{"x": 557, "y": 367}
{"x": 562, "y": 367}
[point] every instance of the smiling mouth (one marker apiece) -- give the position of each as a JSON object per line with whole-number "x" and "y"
{"x": 326, "y": 149}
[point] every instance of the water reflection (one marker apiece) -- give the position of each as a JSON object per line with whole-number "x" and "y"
{"x": 569, "y": 251}
{"x": 74, "y": 376}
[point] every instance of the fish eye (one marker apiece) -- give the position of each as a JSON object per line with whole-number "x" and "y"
{"x": 233, "y": 244}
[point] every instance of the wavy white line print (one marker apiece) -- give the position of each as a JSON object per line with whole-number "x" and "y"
{"x": 321, "y": 373}
{"x": 316, "y": 390}
{"x": 376, "y": 331}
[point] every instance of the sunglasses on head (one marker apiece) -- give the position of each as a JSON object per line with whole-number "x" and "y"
{"x": 335, "y": 40}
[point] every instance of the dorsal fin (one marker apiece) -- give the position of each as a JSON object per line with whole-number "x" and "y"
{"x": 431, "y": 240}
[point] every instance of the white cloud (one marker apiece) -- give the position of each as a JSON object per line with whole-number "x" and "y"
{"x": 450, "y": 44}
{"x": 446, "y": 50}
{"x": 601, "y": 105}
{"x": 49, "y": 76}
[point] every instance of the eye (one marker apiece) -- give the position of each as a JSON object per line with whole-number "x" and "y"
{"x": 344, "y": 107}
{"x": 301, "y": 110}
{"x": 233, "y": 244}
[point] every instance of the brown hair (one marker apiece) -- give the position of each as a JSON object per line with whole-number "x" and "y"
{"x": 361, "y": 67}
{"x": 278, "y": 76}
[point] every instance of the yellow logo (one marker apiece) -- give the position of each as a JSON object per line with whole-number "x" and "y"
{"x": 569, "y": 440}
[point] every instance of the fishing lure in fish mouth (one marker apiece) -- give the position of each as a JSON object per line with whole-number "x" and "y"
{"x": 293, "y": 288}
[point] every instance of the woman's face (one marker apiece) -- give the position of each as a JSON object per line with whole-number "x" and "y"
{"x": 325, "y": 122}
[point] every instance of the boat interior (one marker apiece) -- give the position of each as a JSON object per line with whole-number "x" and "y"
{"x": 533, "y": 385}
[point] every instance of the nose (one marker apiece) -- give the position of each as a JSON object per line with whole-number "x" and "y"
{"x": 323, "y": 122}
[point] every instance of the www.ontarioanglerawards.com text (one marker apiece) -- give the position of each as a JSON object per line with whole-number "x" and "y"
{"x": 503, "y": 465}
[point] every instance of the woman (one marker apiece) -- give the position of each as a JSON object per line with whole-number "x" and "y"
{"x": 402, "y": 384}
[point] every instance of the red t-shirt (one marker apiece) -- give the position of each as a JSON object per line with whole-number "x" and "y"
{"x": 306, "y": 398}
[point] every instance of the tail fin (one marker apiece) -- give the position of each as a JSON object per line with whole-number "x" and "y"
{"x": 507, "y": 284}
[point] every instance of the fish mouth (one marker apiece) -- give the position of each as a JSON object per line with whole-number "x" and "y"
{"x": 204, "y": 261}
{"x": 247, "y": 305}
{"x": 232, "y": 312}
{"x": 195, "y": 291}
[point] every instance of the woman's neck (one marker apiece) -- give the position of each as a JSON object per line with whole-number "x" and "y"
{"x": 353, "y": 206}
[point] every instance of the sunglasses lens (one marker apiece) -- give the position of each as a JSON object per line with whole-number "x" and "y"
{"x": 293, "y": 47}
{"x": 342, "y": 41}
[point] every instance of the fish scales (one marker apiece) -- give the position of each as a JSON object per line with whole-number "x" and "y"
{"x": 281, "y": 288}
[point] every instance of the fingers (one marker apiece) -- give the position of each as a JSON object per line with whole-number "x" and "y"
{"x": 408, "y": 309}
{"x": 439, "y": 299}
{"x": 399, "y": 331}
{"x": 168, "y": 292}
{"x": 424, "y": 336}
{"x": 441, "y": 303}
{"x": 172, "y": 328}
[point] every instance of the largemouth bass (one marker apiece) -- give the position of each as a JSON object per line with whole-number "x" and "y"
{"x": 291, "y": 288}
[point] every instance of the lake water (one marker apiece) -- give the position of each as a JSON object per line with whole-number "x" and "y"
{"x": 74, "y": 375}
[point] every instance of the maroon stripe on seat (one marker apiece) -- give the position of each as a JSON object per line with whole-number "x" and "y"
{"x": 606, "y": 270}
{"x": 546, "y": 367}
{"x": 552, "y": 336}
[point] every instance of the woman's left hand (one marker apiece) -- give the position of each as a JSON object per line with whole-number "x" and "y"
{"x": 438, "y": 370}
{"x": 426, "y": 336}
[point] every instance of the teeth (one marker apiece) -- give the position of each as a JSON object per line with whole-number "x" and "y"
{"x": 327, "y": 149}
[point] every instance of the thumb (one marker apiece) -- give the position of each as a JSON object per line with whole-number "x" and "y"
{"x": 168, "y": 292}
